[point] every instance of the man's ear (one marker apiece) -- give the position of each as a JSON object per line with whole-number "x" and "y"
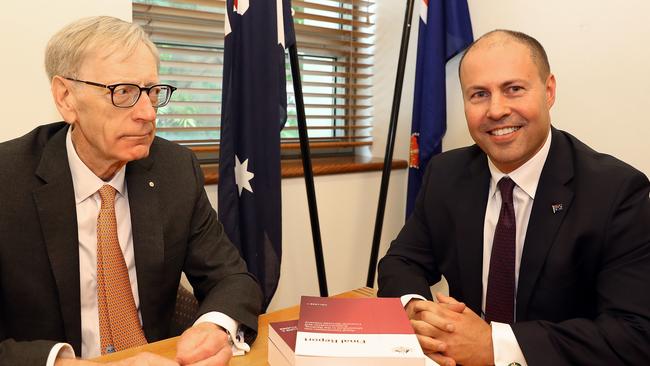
{"x": 550, "y": 90}
{"x": 64, "y": 99}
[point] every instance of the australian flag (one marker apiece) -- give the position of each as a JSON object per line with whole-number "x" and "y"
{"x": 445, "y": 30}
{"x": 253, "y": 111}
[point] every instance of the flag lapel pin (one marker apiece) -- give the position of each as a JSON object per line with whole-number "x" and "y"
{"x": 557, "y": 207}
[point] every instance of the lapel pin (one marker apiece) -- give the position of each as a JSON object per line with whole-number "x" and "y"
{"x": 557, "y": 207}
{"x": 151, "y": 184}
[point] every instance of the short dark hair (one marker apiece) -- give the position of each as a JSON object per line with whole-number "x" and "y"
{"x": 537, "y": 52}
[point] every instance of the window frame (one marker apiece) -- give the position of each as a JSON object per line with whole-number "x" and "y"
{"x": 347, "y": 114}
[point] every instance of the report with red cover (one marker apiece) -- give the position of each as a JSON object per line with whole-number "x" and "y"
{"x": 357, "y": 331}
{"x": 282, "y": 343}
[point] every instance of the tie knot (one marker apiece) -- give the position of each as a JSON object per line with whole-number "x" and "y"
{"x": 107, "y": 193}
{"x": 506, "y": 185}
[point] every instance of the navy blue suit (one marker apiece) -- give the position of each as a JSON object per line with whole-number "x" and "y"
{"x": 584, "y": 283}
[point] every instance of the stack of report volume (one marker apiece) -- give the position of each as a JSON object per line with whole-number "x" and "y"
{"x": 345, "y": 332}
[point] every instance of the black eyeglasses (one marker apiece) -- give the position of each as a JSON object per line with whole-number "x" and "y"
{"x": 125, "y": 95}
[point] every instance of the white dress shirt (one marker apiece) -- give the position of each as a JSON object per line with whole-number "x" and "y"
{"x": 526, "y": 177}
{"x": 88, "y": 203}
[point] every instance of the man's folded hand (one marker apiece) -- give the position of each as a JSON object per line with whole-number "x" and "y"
{"x": 205, "y": 344}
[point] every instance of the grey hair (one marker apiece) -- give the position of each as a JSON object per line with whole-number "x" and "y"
{"x": 68, "y": 48}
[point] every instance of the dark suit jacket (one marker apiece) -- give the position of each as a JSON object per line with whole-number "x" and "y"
{"x": 584, "y": 284}
{"x": 174, "y": 229}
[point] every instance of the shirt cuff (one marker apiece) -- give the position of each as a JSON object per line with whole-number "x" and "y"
{"x": 60, "y": 350}
{"x": 232, "y": 327}
{"x": 505, "y": 346}
{"x": 406, "y": 298}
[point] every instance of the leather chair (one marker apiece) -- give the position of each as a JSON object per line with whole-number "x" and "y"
{"x": 185, "y": 311}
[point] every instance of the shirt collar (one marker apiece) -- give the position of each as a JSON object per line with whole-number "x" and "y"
{"x": 84, "y": 181}
{"x": 526, "y": 176}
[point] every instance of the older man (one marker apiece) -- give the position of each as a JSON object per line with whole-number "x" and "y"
{"x": 544, "y": 242}
{"x": 100, "y": 217}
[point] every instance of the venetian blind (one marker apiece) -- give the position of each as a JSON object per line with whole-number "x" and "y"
{"x": 334, "y": 41}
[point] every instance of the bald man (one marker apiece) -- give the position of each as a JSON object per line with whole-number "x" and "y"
{"x": 545, "y": 243}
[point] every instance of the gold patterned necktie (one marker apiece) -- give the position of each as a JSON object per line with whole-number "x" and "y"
{"x": 119, "y": 325}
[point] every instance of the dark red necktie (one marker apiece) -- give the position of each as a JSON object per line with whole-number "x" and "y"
{"x": 500, "y": 301}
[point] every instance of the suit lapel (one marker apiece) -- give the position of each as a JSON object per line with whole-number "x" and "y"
{"x": 471, "y": 205}
{"x": 545, "y": 218}
{"x": 55, "y": 203}
{"x": 148, "y": 243}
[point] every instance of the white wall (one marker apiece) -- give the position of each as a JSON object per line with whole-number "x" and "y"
{"x": 598, "y": 52}
{"x": 25, "y": 28}
{"x": 347, "y": 206}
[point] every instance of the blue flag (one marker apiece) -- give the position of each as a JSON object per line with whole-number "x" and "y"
{"x": 253, "y": 111}
{"x": 445, "y": 30}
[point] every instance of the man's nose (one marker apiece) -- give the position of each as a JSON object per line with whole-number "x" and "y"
{"x": 143, "y": 109}
{"x": 498, "y": 107}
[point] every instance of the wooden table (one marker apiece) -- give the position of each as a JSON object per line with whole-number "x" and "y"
{"x": 258, "y": 354}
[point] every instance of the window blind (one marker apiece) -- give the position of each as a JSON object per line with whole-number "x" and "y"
{"x": 335, "y": 42}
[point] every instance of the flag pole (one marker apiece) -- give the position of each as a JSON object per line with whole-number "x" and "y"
{"x": 390, "y": 144}
{"x": 307, "y": 169}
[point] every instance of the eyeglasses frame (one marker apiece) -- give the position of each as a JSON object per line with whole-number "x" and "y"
{"x": 112, "y": 88}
